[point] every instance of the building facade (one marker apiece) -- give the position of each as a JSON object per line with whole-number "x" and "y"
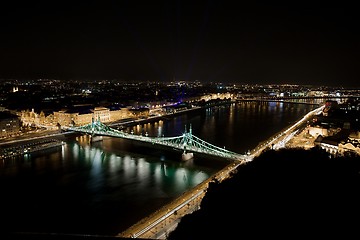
{"x": 10, "y": 124}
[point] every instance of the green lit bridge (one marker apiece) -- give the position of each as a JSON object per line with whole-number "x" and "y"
{"x": 187, "y": 141}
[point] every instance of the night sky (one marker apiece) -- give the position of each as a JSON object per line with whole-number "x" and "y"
{"x": 302, "y": 42}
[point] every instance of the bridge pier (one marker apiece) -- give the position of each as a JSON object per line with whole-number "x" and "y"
{"x": 95, "y": 138}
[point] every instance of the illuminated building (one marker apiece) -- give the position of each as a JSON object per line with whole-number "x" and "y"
{"x": 9, "y": 124}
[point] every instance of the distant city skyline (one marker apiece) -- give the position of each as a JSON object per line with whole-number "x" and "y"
{"x": 209, "y": 41}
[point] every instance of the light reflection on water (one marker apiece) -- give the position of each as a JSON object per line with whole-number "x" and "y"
{"x": 135, "y": 166}
{"x": 92, "y": 180}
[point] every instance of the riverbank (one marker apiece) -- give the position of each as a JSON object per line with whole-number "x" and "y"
{"x": 133, "y": 122}
{"x": 159, "y": 224}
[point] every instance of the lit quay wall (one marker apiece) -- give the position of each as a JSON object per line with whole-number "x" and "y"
{"x": 165, "y": 220}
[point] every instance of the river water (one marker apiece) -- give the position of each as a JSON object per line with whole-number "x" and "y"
{"x": 104, "y": 187}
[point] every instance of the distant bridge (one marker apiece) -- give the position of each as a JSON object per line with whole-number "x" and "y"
{"x": 187, "y": 141}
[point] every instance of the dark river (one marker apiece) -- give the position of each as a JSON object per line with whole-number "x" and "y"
{"x": 104, "y": 187}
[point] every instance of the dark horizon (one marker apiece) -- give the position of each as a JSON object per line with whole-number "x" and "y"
{"x": 210, "y": 41}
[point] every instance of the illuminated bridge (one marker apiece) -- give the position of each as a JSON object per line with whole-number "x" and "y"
{"x": 187, "y": 141}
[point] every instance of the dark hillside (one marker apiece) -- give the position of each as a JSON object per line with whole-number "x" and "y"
{"x": 286, "y": 193}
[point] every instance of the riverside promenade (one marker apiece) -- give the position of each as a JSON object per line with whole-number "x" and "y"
{"x": 159, "y": 224}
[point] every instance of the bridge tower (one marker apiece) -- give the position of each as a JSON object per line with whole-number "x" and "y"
{"x": 94, "y": 138}
{"x": 187, "y": 139}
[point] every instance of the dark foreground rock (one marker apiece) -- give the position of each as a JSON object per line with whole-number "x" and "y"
{"x": 281, "y": 194}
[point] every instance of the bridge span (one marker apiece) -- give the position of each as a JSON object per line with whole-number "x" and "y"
{"x": 186, "y": 142}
